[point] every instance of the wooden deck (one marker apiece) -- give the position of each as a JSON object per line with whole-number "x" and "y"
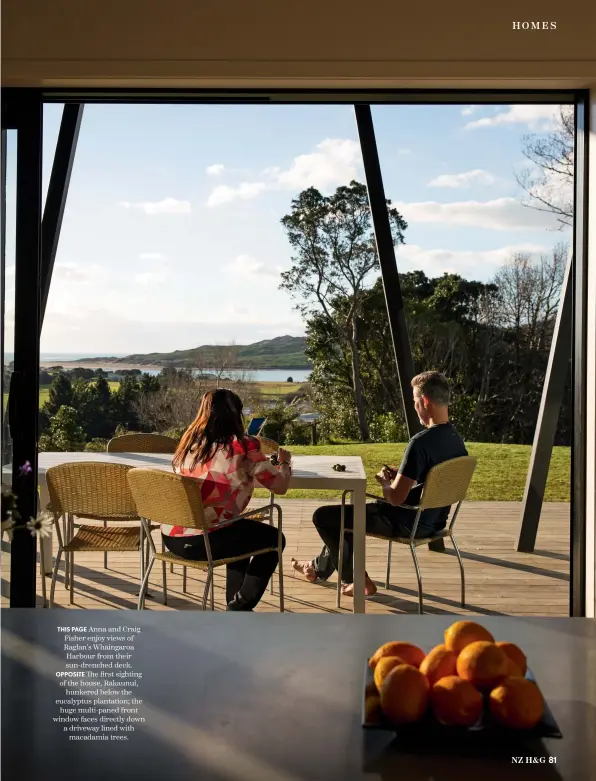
{"x": 498, "y": 579}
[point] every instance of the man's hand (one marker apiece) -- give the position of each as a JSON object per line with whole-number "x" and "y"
{"x": 384, "y": 476}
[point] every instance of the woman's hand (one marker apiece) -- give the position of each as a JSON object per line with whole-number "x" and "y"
{"x": 284, "y": 455}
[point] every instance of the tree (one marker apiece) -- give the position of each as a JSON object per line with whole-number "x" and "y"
{"x": 548, "y": 181}
{"x": 60, "y": 395}
{"x": 224, "y": 357}
{"x": 336, "y": 253}
{"x": 64, "y": 434}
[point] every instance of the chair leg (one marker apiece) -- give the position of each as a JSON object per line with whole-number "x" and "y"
{"x": 105, "y": 553}
{"x": 340, "y": 554}
{"x": 184, "y": 570}
{"x": 54, "y": 575}
{"x": 280, "y": 575}
{"x": 206, "y": 591}
{"x": 141, "y": 602}
{"x": 271, "y": 501}
{"x": 212, "y": 592}
{"x": 42, "y": 566}
{"x": 461, "y": 569}
{"x": 71, "y": 599}
{"x": 164, "y": 582}
{"x": 388, "y": 566}
{"x": 65, "y": 537}
{"x": 172, "y": 569}
{"x": 413, "y": 551}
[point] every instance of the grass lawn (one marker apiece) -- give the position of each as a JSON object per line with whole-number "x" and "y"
{"x": 500, "y": 474}
{"x": 274, "y": 390}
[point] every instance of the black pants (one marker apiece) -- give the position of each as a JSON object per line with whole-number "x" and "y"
{"x": 380, "y": 519}
{"x": 247, "y": 578}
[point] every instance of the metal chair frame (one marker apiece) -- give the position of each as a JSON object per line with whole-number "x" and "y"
{"x": 210, "y": 564}
{"x": 412, "y": 542}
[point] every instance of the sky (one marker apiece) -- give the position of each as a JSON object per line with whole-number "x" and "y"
{"x": 172, "y": 238}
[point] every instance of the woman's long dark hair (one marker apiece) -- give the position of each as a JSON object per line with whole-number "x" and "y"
{"x": 218, "y": 422}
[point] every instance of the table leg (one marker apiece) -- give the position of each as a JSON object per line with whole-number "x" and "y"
{"x": 46, "y": 559}
{"x": 359, "y": 541}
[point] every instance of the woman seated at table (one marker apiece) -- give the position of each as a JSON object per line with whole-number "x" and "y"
{"x": 215, "y": 451}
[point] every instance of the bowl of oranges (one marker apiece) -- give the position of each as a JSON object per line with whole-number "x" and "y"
{"x": 471, "y": 684}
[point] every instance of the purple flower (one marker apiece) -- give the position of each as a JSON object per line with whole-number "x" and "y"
{"x": 26, "y": 469}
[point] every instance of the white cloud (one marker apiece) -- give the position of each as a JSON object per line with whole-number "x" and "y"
{"x": 538, "y": 118}
{"x": 151, "y": 256}
{"x": 73, "y": 273}
{"x": 244, "y": 191}
{"x": 151, "y": 278}
{"x": 167, "y": 206}
{"x": 215, "y": 170}
{"x": 335, "y": 161}
{"x": 470, "y": 264}
{"x": 498, "y": 214}
{"x": 466, "y": 179}
{"x": 404, "y": 151}
{"x": 246, "y": 267}
{"x": 468, "y": 111}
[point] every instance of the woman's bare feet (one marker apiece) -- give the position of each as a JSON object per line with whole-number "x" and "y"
{"x": 305, "y": 568}
{"x": 369, "y": 588}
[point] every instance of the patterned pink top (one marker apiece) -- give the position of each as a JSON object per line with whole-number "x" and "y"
{"x": 227, "y": 482}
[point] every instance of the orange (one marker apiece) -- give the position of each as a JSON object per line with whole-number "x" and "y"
{"x": 462, "y": 633}
{"x": 517, "y": 703}
{"x": 513, "y": 671}
{"x": 456, "y": 702}
{"x": 411, "y": 654}
{"x": 372, "y": 707}
{"x": 515, "y": 653}
{"x": 483, "y": 664}
{"x": 383, "y": 667}
{"x": 404, "y": 694}
{"x": 438, "y": 663}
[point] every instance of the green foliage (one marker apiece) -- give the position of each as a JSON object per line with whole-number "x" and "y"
{"x": 279, "y": 417}
{"x": 388, "y": 427}
{"x": 64, "y": 433}
{"x": 297, "y": 434}
{"x": 96, "y": 446}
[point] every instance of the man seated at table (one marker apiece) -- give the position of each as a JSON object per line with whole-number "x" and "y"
{"x": 438, "y": 442}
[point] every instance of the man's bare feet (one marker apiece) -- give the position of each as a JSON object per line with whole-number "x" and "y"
{"x": 369, "y": 588}
{"x": 305, "y": 568}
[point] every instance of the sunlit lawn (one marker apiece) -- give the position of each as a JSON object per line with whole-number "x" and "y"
{"x": 500, "y": 475}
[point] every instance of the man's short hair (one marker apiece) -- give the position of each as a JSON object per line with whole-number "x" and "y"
{"x": 434, "y": 386}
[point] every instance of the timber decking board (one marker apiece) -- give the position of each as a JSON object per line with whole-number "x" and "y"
{"x": 498, "y": 579}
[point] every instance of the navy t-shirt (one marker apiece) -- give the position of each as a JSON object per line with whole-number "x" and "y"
{"x": 427, "y": 449}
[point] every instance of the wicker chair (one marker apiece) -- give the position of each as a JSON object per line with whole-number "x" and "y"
{"x": 93, "y": 491}
{"x": 142, "y": 443}
{"x": 163, "y": 497}
{"x": 268, "y": 446}
{"x": 446, "y": 484}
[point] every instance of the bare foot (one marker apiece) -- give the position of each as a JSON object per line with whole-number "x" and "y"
{"x": 305, "y": 568}
{"x": 369, "y": 588}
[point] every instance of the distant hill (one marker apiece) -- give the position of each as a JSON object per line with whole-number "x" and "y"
{"x": 283, "y": 352}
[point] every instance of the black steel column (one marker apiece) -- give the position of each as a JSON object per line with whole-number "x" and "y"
{"x": 2, "y": 274}
{"x": 53, "y": 212}
{"x": 385, "y": 249}
{"x": 548, "y": 416}
{"x": 580, "y": 303}
{"x": 25, "y": 381}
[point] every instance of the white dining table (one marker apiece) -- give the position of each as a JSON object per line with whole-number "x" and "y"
{"x": 308, "y": 472}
